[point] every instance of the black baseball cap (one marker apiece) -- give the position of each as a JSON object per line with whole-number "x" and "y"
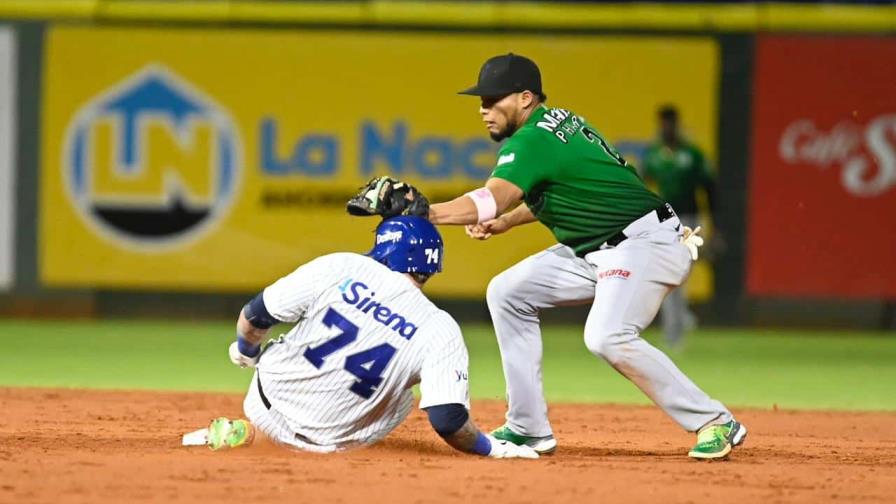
{"x": 505, "y": 74}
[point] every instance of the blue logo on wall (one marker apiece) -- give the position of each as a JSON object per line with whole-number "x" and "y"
{"x": 152, "y": 161}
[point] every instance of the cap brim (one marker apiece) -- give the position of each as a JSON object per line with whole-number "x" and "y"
{"x": 484, "y": 91}
{"x": 473, "y": 91}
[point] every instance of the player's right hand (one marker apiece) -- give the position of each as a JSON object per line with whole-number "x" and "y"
{"x": 239, "y": 359}
{"x": 502, "y": 449}
{"x": 477, "y": 232}
{"x": 487, "y": 229}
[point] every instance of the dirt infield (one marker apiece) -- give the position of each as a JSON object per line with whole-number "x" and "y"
{"x": 97, "y": 446}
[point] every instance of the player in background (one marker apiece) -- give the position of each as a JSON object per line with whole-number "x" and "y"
{"x": 679, "y": 170}
{"x": 621, "y": 248}
{"x": 364, "y": 335}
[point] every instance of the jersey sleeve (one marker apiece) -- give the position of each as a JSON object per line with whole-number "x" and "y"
{"x": 522, "y": 161}
{"x": 288, "y": 298}
{"x": 444, "y": 375}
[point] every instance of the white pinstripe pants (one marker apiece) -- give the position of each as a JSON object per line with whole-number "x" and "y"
{"x": 273, "y": 424}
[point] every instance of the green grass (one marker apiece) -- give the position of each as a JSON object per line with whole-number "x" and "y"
{"x": 793, "y": 369}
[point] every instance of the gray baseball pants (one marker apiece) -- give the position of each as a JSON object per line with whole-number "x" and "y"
{"x": 675, "y": 314}
{"x": 625, "y": 285}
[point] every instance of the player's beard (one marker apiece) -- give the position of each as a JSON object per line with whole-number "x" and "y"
{"x": 505, "y": 132}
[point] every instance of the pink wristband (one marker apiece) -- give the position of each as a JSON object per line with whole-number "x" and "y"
{"x": 485, "y": 203}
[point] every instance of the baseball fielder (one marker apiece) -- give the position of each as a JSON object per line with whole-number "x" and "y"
{"x": 679, "y": 169}
{"x": 621, "y": 248}
{"x": 364, "y": 335}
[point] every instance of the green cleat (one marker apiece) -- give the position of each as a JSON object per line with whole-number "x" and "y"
{"x": 717, "y": 441}
{"x": 223, "y": 432}
{"x": 543, "y": 445}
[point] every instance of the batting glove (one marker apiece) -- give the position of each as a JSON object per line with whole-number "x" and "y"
{"x": 241, "y": 360}
{"x": 502, "y": 449}
{"x": 692, "y": 240}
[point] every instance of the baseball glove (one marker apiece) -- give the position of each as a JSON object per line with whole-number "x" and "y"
{"x": 388, "y": 197}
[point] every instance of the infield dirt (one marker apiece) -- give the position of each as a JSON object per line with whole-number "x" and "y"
{"x": 113, "y": 446}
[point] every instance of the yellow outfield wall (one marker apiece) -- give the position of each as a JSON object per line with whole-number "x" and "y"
{"x": 213, "y": 160}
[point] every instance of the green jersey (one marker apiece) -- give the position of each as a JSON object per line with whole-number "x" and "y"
{"x": 679, "y": 173}
{"x": 572, "y": 179}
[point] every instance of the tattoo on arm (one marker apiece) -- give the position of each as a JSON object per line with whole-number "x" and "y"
{"x": 251, "y": 333}
{"x": 465, "y": 438}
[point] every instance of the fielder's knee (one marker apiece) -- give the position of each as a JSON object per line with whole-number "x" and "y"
{"x": 608, "y": 344}
{"x": 503, "y": 292}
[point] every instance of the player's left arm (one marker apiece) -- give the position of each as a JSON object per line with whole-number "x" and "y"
{"x": 480, "y": 205}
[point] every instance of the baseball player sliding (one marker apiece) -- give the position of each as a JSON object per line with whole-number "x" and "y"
{"x": 621, "y": 248}
{"x": 364, "y": 335}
